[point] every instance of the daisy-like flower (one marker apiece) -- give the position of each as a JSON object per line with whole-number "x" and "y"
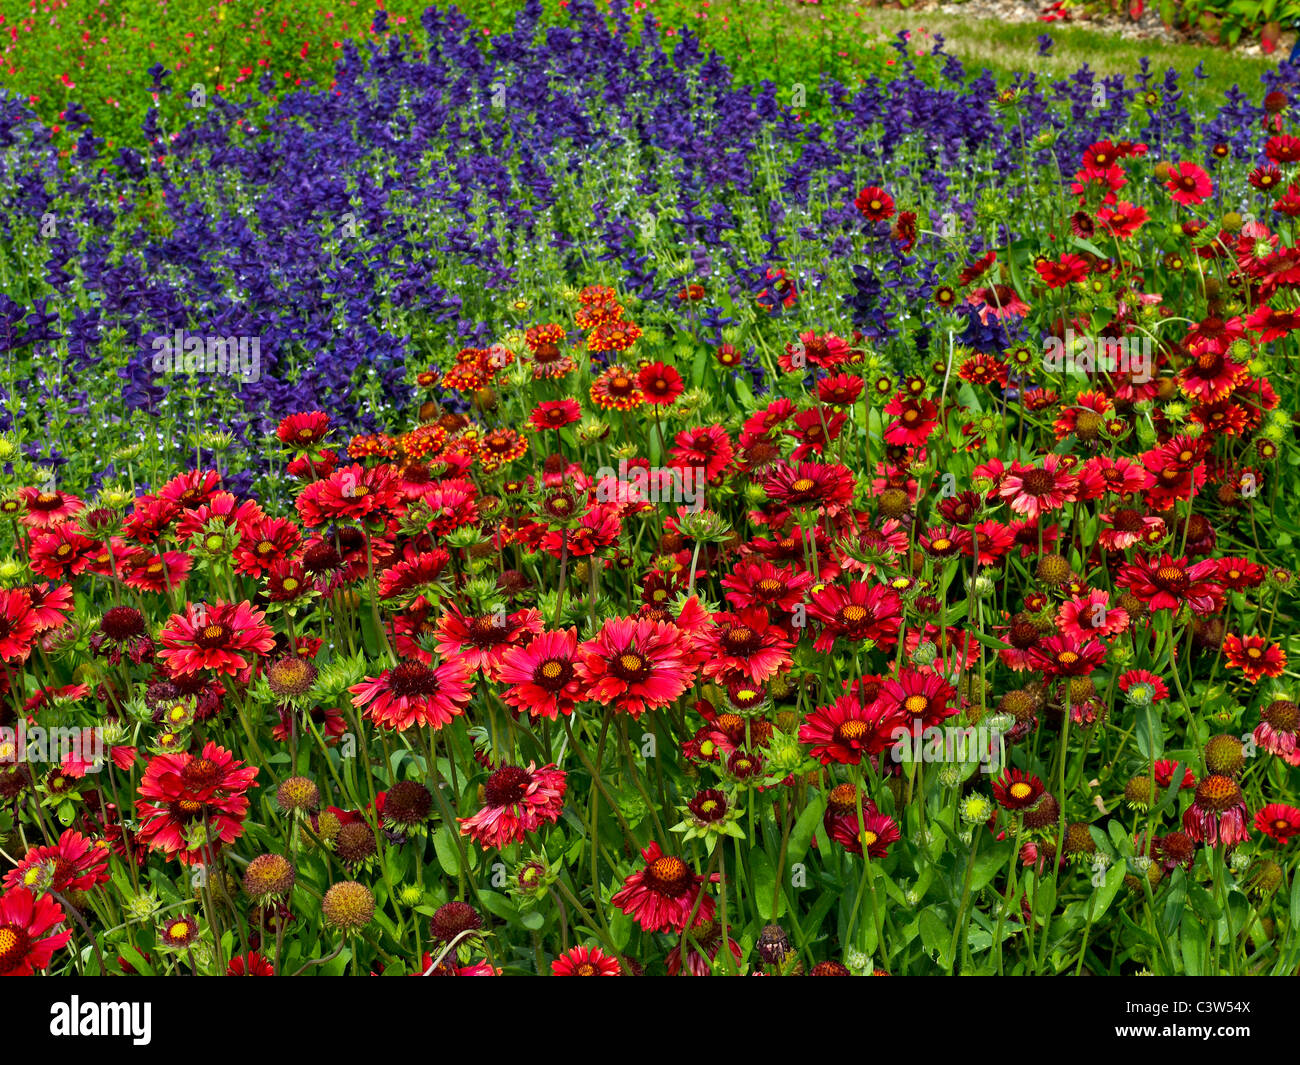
{"x": 998, "y": 302}
{"x": 481, "y": 641}
{"x": 763, "y": 584}
{"x": 541, "y": 678}
{"x": 1015, "y": 789}
{"x": 661, "y": 897}
{"x": 516, "y": 801}
{"x": 1142, "y": 687}
{"x": 555, "y": 414}
{"x": 1067, "y": 656}
{"x": 29, "y": 933}
{"x": 706, "y": 446}
{"x": 353, "y": 493}
{"x": 585, "y": 961}
{"x": 744, "y": 646}
{"x": 914, "y": 420}
{"x": 842, "y": 825}
{"x": 18, "y": 626}
{"x": 46, "y": 509}
{"x": 660, "y": 383}
{"x": 1218, "y": 814}
{"x": 304, "y": 430}
{"x": 1127, "y": 526}
{"x": 499, "y": 447}
{"x": 1277, "y": 730}
{"x": 1211, "y": 376}
{"x": 74, "y": 863}
{"x": 414, "y": 694}
{"x": 1091, "y": 615}
{"x": 616, "y": 389}
{"x": 849, "y": 728}
{"x": 62, "y": 552}
{"x": 810, "y": 484}
{"x": 635, "y": 664}
{"x": 874, "y": 204}
{"x": 227, "y": 638}
{"x": 1254, "y": 656}
{"x": 1032, "y": 491}
{"x": 1189, "y": 184}
{"x": 186, "y": 799}
{"x": 918, "y": 694}
{"x": 1278, "y": 821}
{"x": 250, "y": 964}
{"x": 263, "y": 543}
{"x": 862, "y": 611}
{"x": 1166, "y": 583}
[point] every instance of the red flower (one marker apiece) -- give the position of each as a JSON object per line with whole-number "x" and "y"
{"x": 1064, "y": 271}
{"x": 861, "y": 612}
{"x": 225, "y": 637}
{"x": 1189, "y": 184}
{"x": 516, "y": 801}
{"x": 555, "y": 414}
{"x": 636, "y": 664}
{"x": 919, "y": 694}
{"x": 763, "y": 584}
{"x": 662, "y": 896}
{"x": 352, "y": 493}
{"x": 303, "y": 431}
{"x": 1278, "y": 821}
{"x": 45, "y": 510}
{"x": 742, "y": 647}
{"x": 24, "y": 921}
{"x": 875, "y": 204}
{"x": 659, "y": 383}
{"x": 915, "y": 420}
{"x": 1218, "y": 813}
{"x": 482, "y": 641}
{"x": 848, "y": 728}
{"x": 542, "y": 678}
{"x": 1066, "y": 656}
{"x": 585, "y": 961}
{"x": 708, "y": 446}
{"x": 1033, "y": 491}
{"x": 412, "y": 693}
{"x": 1254, "y": 656}
{"x": 1167, "y": 583}
{"x": 1017, "y": 790}
{"x": 187, "y": 800}
{"x": 810, "y": 484}
{"x": 18, "y": 625}
{"x": 841, "y": 822}
{"x": 74, "y": 863}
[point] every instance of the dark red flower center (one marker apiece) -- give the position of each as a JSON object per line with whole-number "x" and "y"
{"x": 507, "y": 786}
{"x": 553, "y": 674}
{"x": 412, "y": 679}
{"x": 630, "y": 666}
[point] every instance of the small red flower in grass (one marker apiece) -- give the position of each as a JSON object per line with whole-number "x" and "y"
{"x": 303, "y": 431}
{"x": 1254, "y": 656}
{"x": 1189, "y": 184}
{"x": 186, "y": 799}
{"x": 841, "y": 822}
{"x": 1277, "y": 728}
{"x": 25, "y": 920}
{"x": 585, "y": 961}
{"x": 516, "y": 801}
{"x": 250, "y": 964}
{"x": 414, "y": 694}
{"x": 225, "y": 637}
{"x": 661, "y": 897}
{"x": 1278, "y": 821}
{"x": 914, "y": 421}
{"x": 874, "y": 204}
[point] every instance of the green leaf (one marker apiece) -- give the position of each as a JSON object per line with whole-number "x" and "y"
{"x": 936, "y": 935}
{"x": 444, "y": 844}
{"x": 804, "y": 829}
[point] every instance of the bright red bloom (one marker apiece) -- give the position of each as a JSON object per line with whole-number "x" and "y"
{"x": 875, "y": 204}
{"x": 1189, "y": 184}
{"x": 353, "y": 493}
{"x": 919, "y": 695}
{"x": 264, "y": 542}
{"x": 763, "y": 584}
{"x": 742, "y": 647}
{"x": 1166, "y": 583}
{"x": 662, "y": 896}
{"x": 74, "y": 863}
{"x": 1254, "y": 656}
{"x": 841, "y": 822}
{"x": 516, "y": 801}
{"x": 1278, "y": 821}
{"x": 414, "y": 694}
{"x": 61, "y": 553}
{"x": 847, "y": 729}
{"x": 708, "y": 446}
{"x": 24, "y": 921}
{"x": 914, "y": 420}
{"x": 1064, "y": 271}
{"x": 186, "y": 800}
{"x": 18, "y": 625}
{"x": 859, "y": 612}
{"x": 45, "y": 510}
{"x": 810, "y": 484}
{"x": 585, "y": 961}
{"x": 303, "y": 431}
{"x": 1015, "y": 789}
{"x": 555, "y": 414}
{"x": 1066, "y": 656}
{"x": 225, "y": 637}
{"x": 482, "y": 641}
{"x": 1033, "y": 491}
{"x": 1133, "y": 677}
{"x": 660, "y": 383}
{"x": 635, "y": 664}
{"x": 541, "y": 678}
